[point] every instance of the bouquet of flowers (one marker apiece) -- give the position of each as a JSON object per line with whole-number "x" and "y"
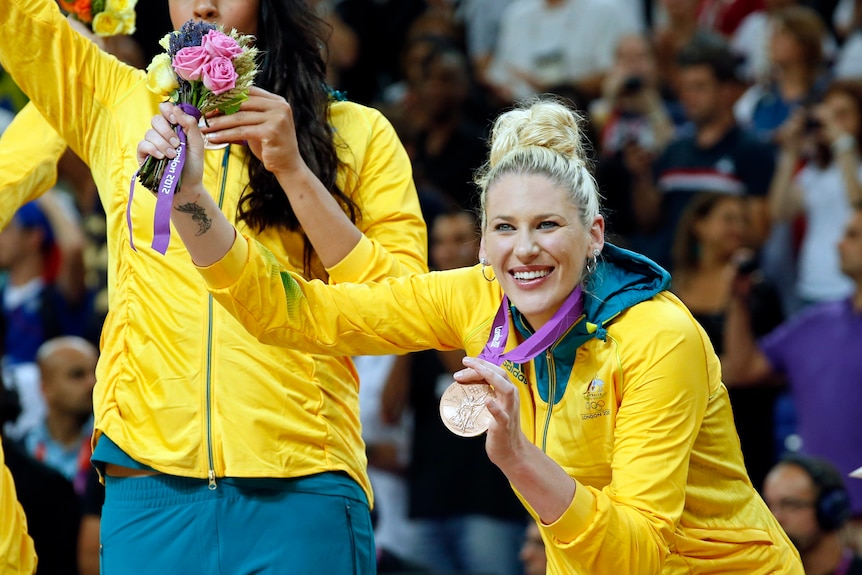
{"x": 203, "y": 70}
{"x": 103, "y": 17}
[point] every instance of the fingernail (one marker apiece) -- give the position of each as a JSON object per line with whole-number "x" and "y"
{"x": 171, "y": 153}
{"x": 175, "y": 142}
{"x": 173, "y": 120}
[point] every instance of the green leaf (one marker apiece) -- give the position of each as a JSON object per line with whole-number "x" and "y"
{"x": 232, "y": 106}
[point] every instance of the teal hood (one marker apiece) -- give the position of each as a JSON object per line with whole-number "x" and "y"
{"x": 622, "y": 279}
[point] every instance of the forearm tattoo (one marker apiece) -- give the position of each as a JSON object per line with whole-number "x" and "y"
{"x": 199, "y": 215}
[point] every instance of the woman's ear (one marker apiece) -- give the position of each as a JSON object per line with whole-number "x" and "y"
{"x": 483, "y": 256}
{"x": 597, "y": 234}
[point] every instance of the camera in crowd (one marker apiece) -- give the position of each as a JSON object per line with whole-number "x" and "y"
{"x": 631, "y": 86}
{"x": 812, "y": 123}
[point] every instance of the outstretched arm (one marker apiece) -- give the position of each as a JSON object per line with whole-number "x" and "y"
{"x": 29, "y": 151}
{"x": 742, "y": 363}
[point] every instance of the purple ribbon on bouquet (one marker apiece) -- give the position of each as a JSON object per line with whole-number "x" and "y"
{"x": 542, "y": 339}
{"x": 165, "y": 193}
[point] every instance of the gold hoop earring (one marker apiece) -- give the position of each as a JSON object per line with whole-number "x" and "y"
{"x": 484, "y": 263}
{"x": 593, "y": 262}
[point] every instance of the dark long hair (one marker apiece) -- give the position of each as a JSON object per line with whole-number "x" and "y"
{"x": 685, "y": 252}
{"x": 290, "y": 37}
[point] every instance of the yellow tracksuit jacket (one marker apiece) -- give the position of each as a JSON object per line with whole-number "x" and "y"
{"x": 182, "y": 387}
{"x": 17, "y": 555}
{"x": 629, "y": 402}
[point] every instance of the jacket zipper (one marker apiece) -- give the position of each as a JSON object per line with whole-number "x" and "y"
{"x": 552, "y": 393}
{"x": 211, "y": 472}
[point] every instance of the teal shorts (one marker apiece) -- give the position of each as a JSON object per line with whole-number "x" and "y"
{"x": 165, "y": 524}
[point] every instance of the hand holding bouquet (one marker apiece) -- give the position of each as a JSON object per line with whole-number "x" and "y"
{"x": 103, "y": 17}
{"x": 204, "y": 70}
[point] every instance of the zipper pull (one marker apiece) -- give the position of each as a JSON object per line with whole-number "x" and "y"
{"x": 212, "y": 481}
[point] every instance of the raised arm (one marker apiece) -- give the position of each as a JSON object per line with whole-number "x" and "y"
{"x": 71, "y": 241}
{"x": 785, "y": 197}
{"x": 845, "y": 149}
{"x": 389, "y": 237}
{"x": 279, "y": 307}
{"x": 29, "y": 151}
{"x": 742, "y": 363}
{"x": 67, "y": 77}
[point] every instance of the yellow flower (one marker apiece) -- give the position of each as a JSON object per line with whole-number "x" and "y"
{"x": 128, "y": 18}
{"x": 120, "y": 5}
{"x": 107, "y": 24}
{"x": 165, "y": 42}
{"x": 161, "y": 78}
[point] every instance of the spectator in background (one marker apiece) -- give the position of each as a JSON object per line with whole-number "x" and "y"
{"x": 547, "y": 43}
{"x": 797, "y": 79}
{"x": 532, "y": 552}
{"x": 754, "y": 43}
{"x": 826, "y": 139}
{"x": 631, "y": 106}
{"x": 44, "y": 294}
{"x": 449, "y": 145}
{"x": 796, "y": 71}
{"x": 481, "y": 20}
{"x": 67, "y": 369}
{"x": 724, "y": 16}
{"x": 669, "y": 38}
{"x": 380, "y": 28}
{"x": 817, "y": 350}
{"x": 718, "y": 155}
{"x": 633, "y": 126}
{"x": 342, "y": 45}
{"x": 466, "y": 517}
{"x": 809, "y": 498}
{"x": 848, "y": 61}
{"x": 706, "y": 252}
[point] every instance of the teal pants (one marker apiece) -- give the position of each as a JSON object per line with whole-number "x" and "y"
{"x": 173, "y": 525}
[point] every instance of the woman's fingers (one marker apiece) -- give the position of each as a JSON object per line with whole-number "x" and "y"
{"x": 147, "y": 148}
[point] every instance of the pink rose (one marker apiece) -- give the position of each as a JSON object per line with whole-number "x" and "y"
{"x": 219, "y": 75}
{"x": 219, "y": 44}
{"x": 189, "y": 62}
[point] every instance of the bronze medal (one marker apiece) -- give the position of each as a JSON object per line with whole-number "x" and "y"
{"x": 462, "y": 408}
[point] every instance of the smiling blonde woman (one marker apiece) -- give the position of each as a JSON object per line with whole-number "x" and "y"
{"x": 608, "y": 415}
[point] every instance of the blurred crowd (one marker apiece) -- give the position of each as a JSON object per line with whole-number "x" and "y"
{"x": 725, "y": 140}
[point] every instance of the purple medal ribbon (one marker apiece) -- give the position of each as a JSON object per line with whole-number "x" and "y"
{"x": 554, "y": 329}
{"x": 165, "y": 192}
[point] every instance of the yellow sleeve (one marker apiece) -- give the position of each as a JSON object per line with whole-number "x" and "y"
{"x": 29, "y": 151}
{"x": 66, "y": 76}
{"x": 17, "y": 554}
{"x": 395, "y": 238}
{"x": 666, "y": 373}
{"x": 401, "y": 314}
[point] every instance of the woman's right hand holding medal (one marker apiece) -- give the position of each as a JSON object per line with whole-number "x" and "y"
{"x": 505, "y": 442}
